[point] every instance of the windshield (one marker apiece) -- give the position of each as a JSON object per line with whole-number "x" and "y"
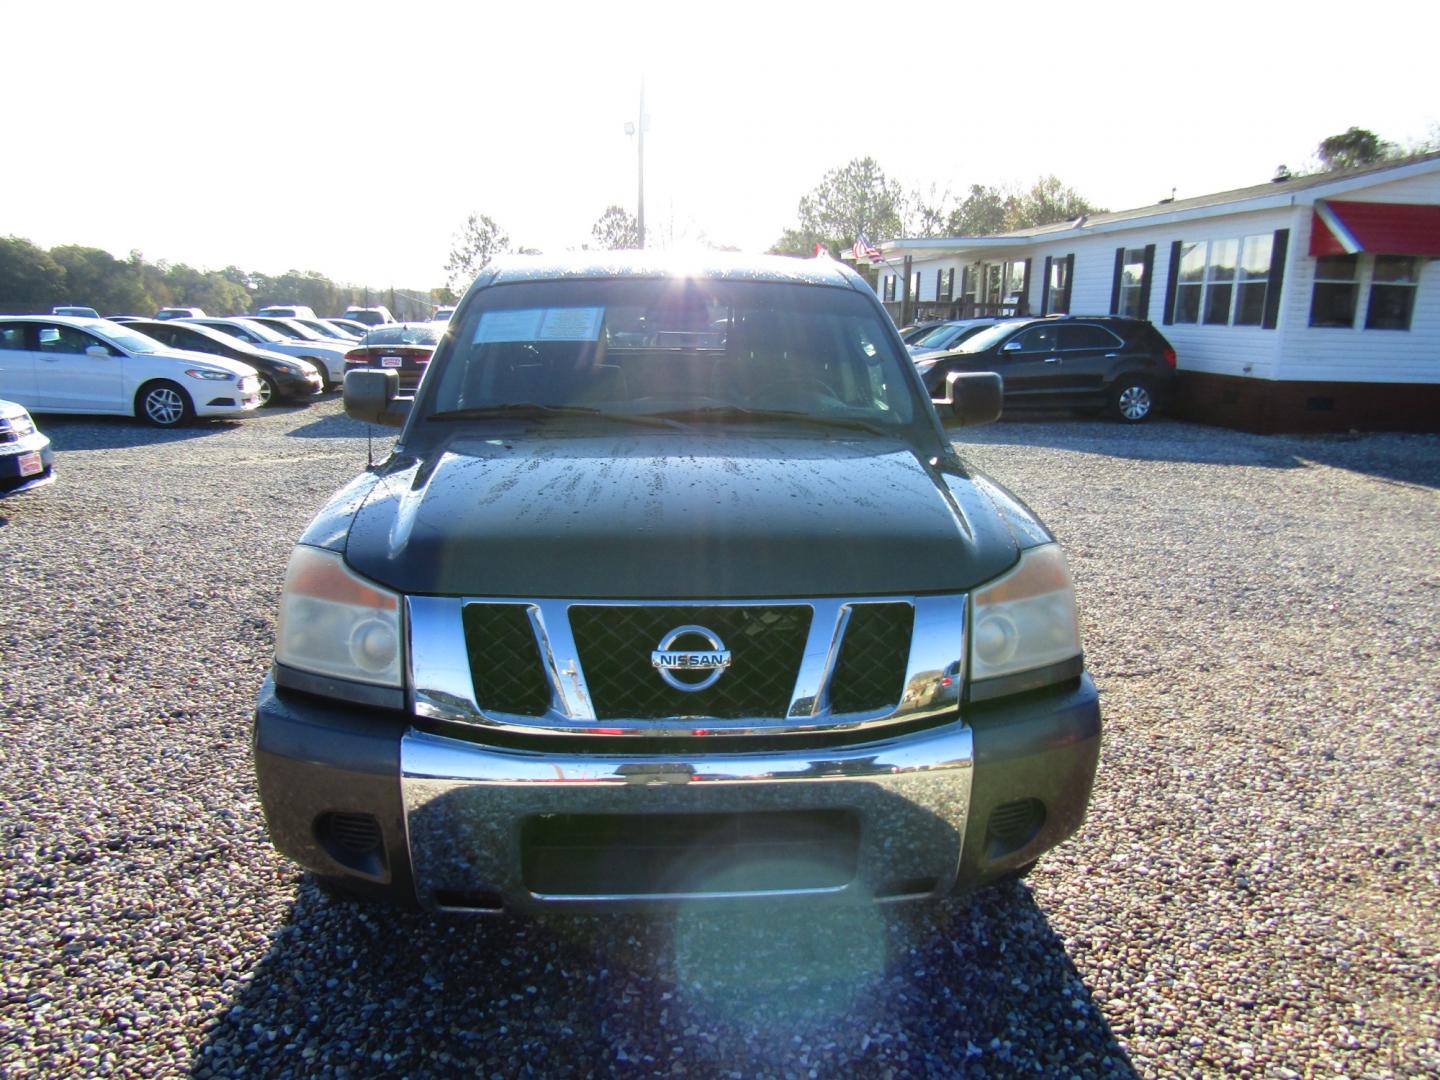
{"x": 988, "y": 337}
{"x": 259, "y": 329}
{"x": 403, "y": 335}
{"x": 126, "y": 338}
{"x": 938, "y": 336}
{"x": 694, "y": 350}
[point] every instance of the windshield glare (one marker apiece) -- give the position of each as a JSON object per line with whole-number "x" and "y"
{"x": 403, "y": 335}
{"x": 988, "y": 337}
{"x": 938, "y": 335}
{"x": 259, "y": 329}
{"x": 649, "y": 347}
{"x": 126, "y": 338}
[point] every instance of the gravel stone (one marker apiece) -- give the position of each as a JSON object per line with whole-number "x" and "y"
{"x": 1252, "y": 894}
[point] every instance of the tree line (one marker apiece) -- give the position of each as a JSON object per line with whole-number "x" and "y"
{"x": 33, "y": 279}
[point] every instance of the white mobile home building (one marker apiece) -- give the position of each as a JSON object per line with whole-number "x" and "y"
{"x": 1308, "y": 303}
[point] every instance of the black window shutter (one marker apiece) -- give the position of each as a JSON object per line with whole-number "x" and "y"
{"x": 1115, "y": 281}
{"x": 1069, "y": 280}
{"x": 1171, "y": 279}
{"x": 1145, "y": 281}
{"x": 1024, "y": 306}
{"x": 1276, "y": 283}
{"x": 1045, "y": 288}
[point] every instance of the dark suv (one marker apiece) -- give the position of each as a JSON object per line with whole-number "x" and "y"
{"x": 1124, "y": 366}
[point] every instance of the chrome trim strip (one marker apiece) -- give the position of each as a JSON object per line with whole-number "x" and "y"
{"x": 550, "y": 619}
{"x": 441, "y": 687}
{"x": 828, "y": 621}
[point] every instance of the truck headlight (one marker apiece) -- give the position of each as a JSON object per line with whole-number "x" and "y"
{"x": 1024, "y": 632}
{"x": 334, "y": 622}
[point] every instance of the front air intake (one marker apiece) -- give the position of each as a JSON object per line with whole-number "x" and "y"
{"x": 353, "y": 840}
{"x": 870, "y": 672}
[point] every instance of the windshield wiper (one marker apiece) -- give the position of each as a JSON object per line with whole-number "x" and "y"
{"x": 530, "y": 410}
{"x": 741, "y": 412}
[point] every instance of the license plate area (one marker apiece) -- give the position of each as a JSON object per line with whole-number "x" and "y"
{"x": 675, "y": 855}
{"x": 392, "y": 361}
{"x": 30, "y": 463}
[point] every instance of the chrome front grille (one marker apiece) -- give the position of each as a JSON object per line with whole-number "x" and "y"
{"x": 615, "y": 643}
{"x": 587, "y": 667}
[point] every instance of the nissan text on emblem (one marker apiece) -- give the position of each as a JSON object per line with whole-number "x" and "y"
{"x": 668, "y": 660}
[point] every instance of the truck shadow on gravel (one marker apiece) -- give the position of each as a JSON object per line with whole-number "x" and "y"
{"x": 1387, "y": 456}
{"x": 978, "y": 987}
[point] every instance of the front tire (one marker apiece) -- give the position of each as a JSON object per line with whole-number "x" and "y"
{"x": 1132, "y": 401}
{"x": 164, "y": 404}
{"x": 269, "y": 391}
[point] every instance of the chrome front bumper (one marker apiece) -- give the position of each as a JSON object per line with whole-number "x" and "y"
{"x": 466, "y": 806}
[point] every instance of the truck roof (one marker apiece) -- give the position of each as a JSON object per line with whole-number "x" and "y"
{"x": 781, "y": 269}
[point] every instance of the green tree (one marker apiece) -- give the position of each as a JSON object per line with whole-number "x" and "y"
{"x": 479, "y": 240}
{"x": 853, "y": 199}
{"x": 97, "y": 279}
{"x": 616, "y": 229}
{"x": 1357, "y": 146}
{"x": 30, "y": 280}
{"x": 988, "y": 210}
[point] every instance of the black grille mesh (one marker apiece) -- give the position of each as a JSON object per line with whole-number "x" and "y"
{"x": 766, "y": 643}
{"x": 504, "y": 659}
{"x": 870, "y": 673}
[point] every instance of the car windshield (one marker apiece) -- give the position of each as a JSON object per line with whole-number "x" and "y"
{"x": 126, "y": 338}
{"x": 989, "y": 336}
{"x": 259, "y": 329}
{"x": 938, "y": 336}
{"x": 403, "y": 335}
{"x": 695, "y": 350}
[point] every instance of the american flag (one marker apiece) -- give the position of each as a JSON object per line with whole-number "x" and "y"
{"x": 861, "y": 249}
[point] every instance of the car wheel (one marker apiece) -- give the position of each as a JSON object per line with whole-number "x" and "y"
{"x": 269, "y": 392}
{"x": 164, "y": 404}
{"x": 1132, "y": 401}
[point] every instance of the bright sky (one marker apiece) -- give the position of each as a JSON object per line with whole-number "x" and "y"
{"x": 353, "y": 138}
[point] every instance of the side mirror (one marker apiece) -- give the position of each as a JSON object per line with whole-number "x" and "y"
{"x": 98, "y": 351}
{"x": 372, "y": 396}
{"x": 971, "y": 397}
{"x": 1012, "y": 346}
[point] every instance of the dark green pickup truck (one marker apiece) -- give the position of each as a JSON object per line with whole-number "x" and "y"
{"x": 673, "y": 589}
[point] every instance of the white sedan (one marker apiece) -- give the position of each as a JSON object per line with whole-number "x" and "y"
{"x": 67, "y": 364}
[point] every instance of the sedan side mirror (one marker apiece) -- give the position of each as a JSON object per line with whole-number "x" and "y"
{"x": 1012, "y": 346}
{"x": 372, "y": 396}
{"x": 99, "y": 351}
{"x": 972, "y": 397}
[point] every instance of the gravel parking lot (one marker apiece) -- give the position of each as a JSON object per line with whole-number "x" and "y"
{"x": 1254, "y": 892}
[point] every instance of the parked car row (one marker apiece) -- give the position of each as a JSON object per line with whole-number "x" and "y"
{"x": 72, "y": 364}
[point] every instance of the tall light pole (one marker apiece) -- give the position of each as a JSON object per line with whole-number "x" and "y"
{"x": 638, "y": 129}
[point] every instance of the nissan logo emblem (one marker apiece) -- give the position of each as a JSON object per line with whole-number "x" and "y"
{"x": 668, "y": 660}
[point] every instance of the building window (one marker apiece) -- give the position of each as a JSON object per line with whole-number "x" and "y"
{"x": 945, "y": 284}
{"x": 992, "y": 284}
{"x": 1015, "y": 283}
{"x": 1058, "y": 288}
{"x": 915, "y": 285}
{"x": 1223, "y": 282}
{"x": 1254, "y": 280}
{"x": 1333, "y": 301}
{"x": 1132, "y": 283}
{"x": 890, "y": 287}
{"x": 1392, "y": 293}
{"x": 968, "y": 277}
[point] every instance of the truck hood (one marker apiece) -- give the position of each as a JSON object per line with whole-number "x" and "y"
{"x": 655, "y": 516}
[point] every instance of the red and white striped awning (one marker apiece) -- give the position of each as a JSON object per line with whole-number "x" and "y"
{"x": 1348, "y": 228}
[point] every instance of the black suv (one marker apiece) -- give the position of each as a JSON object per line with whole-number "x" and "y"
{"x": 1124, "y": 366}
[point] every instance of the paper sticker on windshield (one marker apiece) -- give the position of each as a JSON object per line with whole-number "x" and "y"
{"x": 540, "y": 324}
